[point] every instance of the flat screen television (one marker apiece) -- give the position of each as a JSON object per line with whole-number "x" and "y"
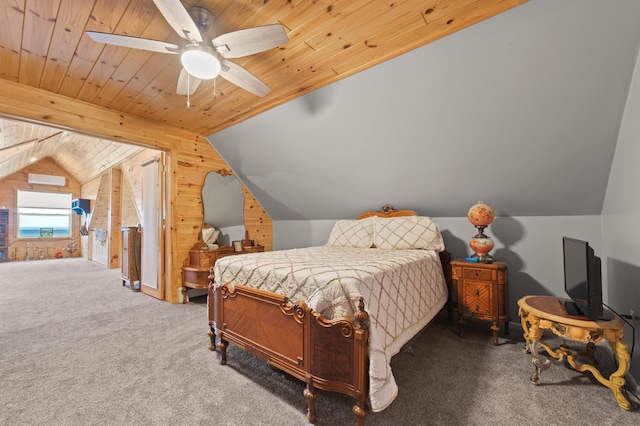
{"x": 582, "y": 279}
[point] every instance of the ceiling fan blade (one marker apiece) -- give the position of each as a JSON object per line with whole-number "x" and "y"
{"x": 133, "y": 42}
{"x": 187, "y": 84}
{"x": 179, "y": 19}
{"x": 250, "y": 41}
{"x": 243, "y": 78}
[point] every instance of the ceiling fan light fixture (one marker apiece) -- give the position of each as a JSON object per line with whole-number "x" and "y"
{"x": 201, "y": 63}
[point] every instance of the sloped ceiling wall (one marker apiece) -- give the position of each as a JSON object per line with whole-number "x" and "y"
{"x": 521, "y": 111}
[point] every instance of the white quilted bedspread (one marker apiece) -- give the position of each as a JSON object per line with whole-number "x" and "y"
{"x": 402, "y": 289}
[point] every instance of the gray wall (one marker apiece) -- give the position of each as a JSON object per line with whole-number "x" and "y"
{"x": 620, "y": 227}
{"x": 531, "y": 246}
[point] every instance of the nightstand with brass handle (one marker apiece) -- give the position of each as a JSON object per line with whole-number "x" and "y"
{"x": 480, "y": 290}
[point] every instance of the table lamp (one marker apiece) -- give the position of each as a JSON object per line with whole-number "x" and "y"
{"x": 481, "y": 215}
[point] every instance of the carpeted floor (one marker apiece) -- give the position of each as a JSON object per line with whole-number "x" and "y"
{"x": 77, "y": 348}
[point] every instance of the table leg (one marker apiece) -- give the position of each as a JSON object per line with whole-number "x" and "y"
{"x": 539, "y": 362}
{"x": 532, "y": 335}
{"x": 460, "y": 324}
{"x": 525, "y": 329}
{"x": 495, "y": 328}
{"x": 616, "y": 380}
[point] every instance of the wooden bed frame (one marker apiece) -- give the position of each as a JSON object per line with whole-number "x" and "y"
{"x": 326, "y": 354}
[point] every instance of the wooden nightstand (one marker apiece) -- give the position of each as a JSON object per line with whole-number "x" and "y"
{"x": 480, "y": 290}
{"x": 128, "y": 266}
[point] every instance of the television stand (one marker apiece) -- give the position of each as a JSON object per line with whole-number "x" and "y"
{"x": 539, "y": 313}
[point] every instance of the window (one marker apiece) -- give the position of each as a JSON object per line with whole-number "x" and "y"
{"x": 44, "y": 214}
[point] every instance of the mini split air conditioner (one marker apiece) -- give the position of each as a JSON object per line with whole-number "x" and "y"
{"x": 36, "y": 179}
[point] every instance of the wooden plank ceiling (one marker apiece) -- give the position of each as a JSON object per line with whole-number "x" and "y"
{"x": 82, "y": 157}
{"x": 43, "y": 45}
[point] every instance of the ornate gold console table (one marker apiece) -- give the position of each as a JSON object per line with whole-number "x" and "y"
{"x": 538, "y": 313}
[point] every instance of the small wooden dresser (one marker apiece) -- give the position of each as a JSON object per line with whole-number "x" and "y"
{"x": 128, "y": 263}
{"x": 480, "y": 290}
{"x": 202, "y": 259}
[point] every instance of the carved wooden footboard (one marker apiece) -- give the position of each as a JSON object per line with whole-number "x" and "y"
{"x": 328, "y": 355}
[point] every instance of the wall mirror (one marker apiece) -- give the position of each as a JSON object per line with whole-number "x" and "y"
{"x": 223, "y": 203}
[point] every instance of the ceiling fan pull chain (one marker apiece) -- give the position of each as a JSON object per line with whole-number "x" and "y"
{"x": 188, "y": 92}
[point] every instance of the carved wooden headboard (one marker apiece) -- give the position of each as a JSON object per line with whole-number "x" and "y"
{"x": 387, "y": 211}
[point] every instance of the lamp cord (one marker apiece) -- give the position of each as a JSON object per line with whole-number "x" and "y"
{"x": 633, "y": 334}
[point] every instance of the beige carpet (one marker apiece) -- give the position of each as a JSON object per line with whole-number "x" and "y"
{"x": 77, "y": 348}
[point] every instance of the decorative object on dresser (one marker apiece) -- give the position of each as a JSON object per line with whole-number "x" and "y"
{"x": 210, "y": 237}
{"x": 480, "y": 290}
{"x": 203, "y": 255}
{"x": 257, "y": 302}
{"x": 128, "y": 261}
{"x": 4, "y": 235}
{"x": 481, "y": 215}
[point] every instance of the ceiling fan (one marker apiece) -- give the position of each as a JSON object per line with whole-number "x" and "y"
{"x": 203, "y": 58}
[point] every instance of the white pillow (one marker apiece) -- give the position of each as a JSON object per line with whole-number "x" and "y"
{"x": 352, "y": 233}
{"x": 407, "y": 232}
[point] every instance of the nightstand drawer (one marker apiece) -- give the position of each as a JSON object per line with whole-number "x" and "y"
{"x": 477, "y": 297}
{"x": 478, "y": 274}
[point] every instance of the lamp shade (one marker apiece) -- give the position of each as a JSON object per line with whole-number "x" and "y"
{"x": 480, "y": 214}
{"x": 200, "y": 63}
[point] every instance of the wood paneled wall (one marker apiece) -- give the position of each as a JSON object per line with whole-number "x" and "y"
{"x": 132, "y": 173}
{"x": 130, "y": 214}
{"x": 190, "y": 158}
{"x": 90, "y": 189}
{"x": 100, "y": 207}
{"x": 38, "y": 247}
{"x": 115, "y": 214}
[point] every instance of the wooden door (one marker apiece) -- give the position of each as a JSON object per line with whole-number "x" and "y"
{"x": 152, "y": 247}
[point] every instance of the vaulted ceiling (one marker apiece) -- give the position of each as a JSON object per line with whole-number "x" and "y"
{"x": 83, "y": 157}
{"x": 44, "y": 45}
